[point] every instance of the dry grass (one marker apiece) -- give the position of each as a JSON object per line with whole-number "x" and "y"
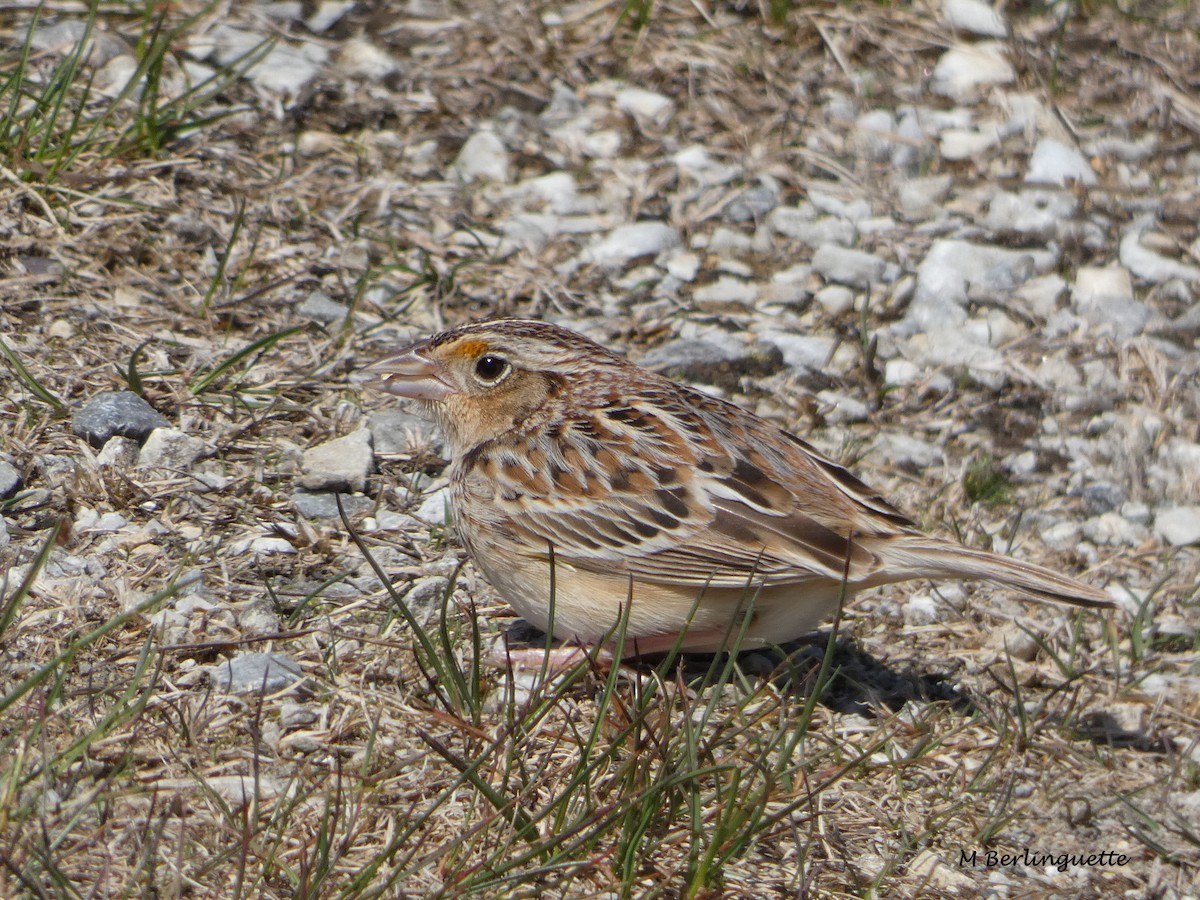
{"x": 154, "y": 248}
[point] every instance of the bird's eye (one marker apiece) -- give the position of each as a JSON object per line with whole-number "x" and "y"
{"x": 489, "y": 369}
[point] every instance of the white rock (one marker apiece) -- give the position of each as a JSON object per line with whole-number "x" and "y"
{"x": 1145, "y": 263}
{"x": 727, "y": 242}
{"x": 844, "y": 408}
{"x": 802, "y": 351}
{"x": 327, "y": 14}
{"x": 835, "y": 299}
{"x": 921, "y": 609}
{"x": 482, "y": 158}
{"x": 905, "y": 450}
{"x": 1062, "y": 535}
{"x": 557, "y": 191}
{"x": 532, "y": 231}
{"x": 1053, "y": 162}
{"x": 118, "y": 452}
{"x": 650, "y": 110}
{"x": 283, "y": 69}
{"x": 1043, "y": 294}
{"x": 1112, "y": 529}
{"x": 951, "y": 267}
{"x": 683, "y": 265}
{"x": 876, "y": 130}
{"x": 975, "y": 17}
{"x": 434, "y": 508}
{"x": 1179, "y": 525}
{"x": 961, "y": 348}
{"x": 338, "y": 465}
{"x": 963, "y": 70}
{"x": 696, "y": 162}
{"x": 833, "y": 205}
{"x": 605, "y": 143}
{"x": 1033, "y": 213}
{"x": 626, "y": 243}
{"x": 845, "y": 266}
{"x": 1104, "y": 297}
{"x": 802, "y": 224}
{"x": 922, "y": 198}
{"x": 900, "y": 371}
{"x": 727, "y": 291}
{"x": 359, "y": 58}
{"x": 957, "y": 144}
{"x": 1001, "y": 329}
{"x": 170, "y": 448}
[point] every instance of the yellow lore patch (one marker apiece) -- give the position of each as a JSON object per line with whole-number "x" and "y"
{"x": 471, "y": 347}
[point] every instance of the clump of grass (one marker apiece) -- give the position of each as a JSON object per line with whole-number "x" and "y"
{"x": 986, "y": 483}
{"x": 55, "y": 118}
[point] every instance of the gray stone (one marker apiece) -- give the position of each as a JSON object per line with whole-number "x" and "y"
{"x": 396, "y": 431}
{"x": 1104, "y": 297}
{"x": 342, "y": 464}
{"x": 118, "y": 453}
{"x": 922, "y": 198}
{"x": 434, "y": 508}
{"x": 719, "y": 358}
{"x": 964, "y": 71}
{"x": 1112, "y": 529}
{"x": 1152, "y": 266}
{"x": 1053, "y": 162}
{"x": 1179, "y": 526}
{"x": 320, "y": 307}
{"x": 170, "y": 448}
{"x": 651, "y": 111}
{"x": 626, "y": 243}
{"x": 843, "y": 407}
{"x": 282, "y": 68}
{"x": 835, "y": 299}
{"x": 426, "y": 598}
{"x": 804, "y": 225}
{"x": 956, "y": 144}
{"x": 697, "y": 163}
{"x": 482, "y": 158}
{"x": 905, "y": 450}
{"x": 324, "y": 505}
{"x": 800, "y": 351}
{"x": 726, "y": 291}
{"x": 853, "y": 267}
{"x": 116, "y": 413}
{"x": 10, "y": 480}
{"x": 257, "y": 672}
{"x": 1040, "y": 214}
{"x": 975, "y": 17}
{"x": 875, "y": 131}
{"x": 951, "y": 268}
{"x": 360, "y": 58}
{"x": 753, "y": 204}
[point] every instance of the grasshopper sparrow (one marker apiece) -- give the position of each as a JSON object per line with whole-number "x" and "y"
{"x": 587, "y": 489}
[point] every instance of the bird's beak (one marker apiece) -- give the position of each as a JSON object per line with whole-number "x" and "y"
{"x": 411, "y": 375}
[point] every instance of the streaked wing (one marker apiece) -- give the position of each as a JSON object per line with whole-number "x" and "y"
{"x": 674, "y": 503}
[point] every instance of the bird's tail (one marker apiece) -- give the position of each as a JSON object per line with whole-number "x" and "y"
{"x": 919, "y": 556}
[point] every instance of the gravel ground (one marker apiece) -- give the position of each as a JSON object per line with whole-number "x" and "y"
{"x": 955, "y": 247}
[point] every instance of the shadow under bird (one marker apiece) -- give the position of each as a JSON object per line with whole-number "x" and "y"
{"x": 659, "y": 508}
